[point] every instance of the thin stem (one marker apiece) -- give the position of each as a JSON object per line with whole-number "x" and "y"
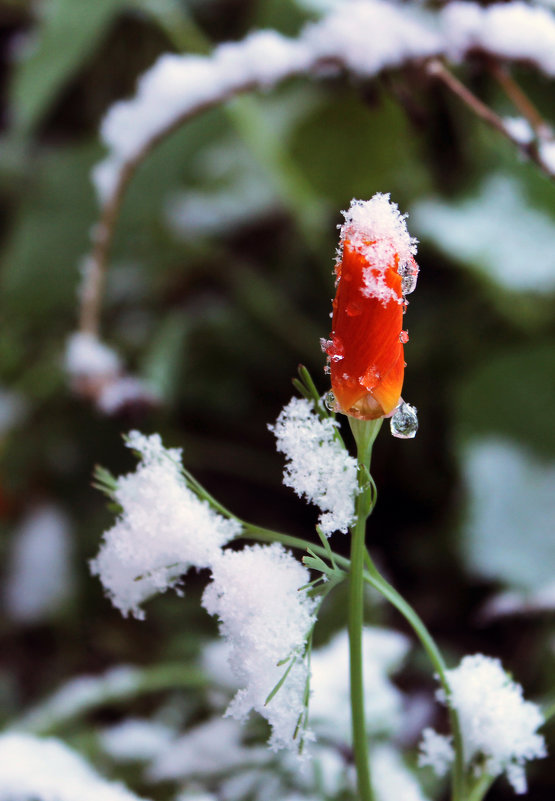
{"x": 480, "y": 788}
{"x": 364, "y": 434}
{"x": 438, "y": 70}
{"x": 520, "y": 99}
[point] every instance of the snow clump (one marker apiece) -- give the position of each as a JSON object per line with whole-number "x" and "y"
{"x": 266, "y": 619}
{"x": 318, "y": 467}
{"x": 163, "y": 530}
{"x": 498, "y": 726}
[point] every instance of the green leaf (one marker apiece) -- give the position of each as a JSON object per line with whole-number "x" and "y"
{"x": 68, "y": 32}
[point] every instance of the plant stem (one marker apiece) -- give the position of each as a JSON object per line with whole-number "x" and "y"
{"x": 364, "y": 434}
{"x": 481, "y": 788}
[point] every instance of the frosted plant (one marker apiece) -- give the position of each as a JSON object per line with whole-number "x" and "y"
{"x": 87, "y": 357}
{"x": 32, "y": 769}
{"x": 266, "y": 619}
{"x": 515, "y": 31}
{"x": 499, "y": 728}
{"x": 164, "y": 529}
{"x": 318, "y": 466}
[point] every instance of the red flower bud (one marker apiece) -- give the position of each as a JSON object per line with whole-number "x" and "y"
{"x": 375, "y": 269}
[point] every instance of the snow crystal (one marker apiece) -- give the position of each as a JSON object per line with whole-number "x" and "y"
{"x": 481, "y": 231}
{"x": 87, "y": 357}
{"x": 80, "y": 695}
{"x": 177, "y": 85}
{"x": 498, "y": 726}
{"x": 436, "y": 751}
{"x": 391, "y": 779}
{"x": 515, "y": 30}
{"x": 367, "y": 36}
{"x": 383, "y": 652}
{"x": 136, "y": 740}
{"x": 210, "y": 748}
{"x": 318, "y": 467}
{"x": 266, "y": 619}
{"x": 163, "y": 530}
{"x": 376, "y": 229}
{"x": 48, "y": 770}
{"x": 39, "y": 576}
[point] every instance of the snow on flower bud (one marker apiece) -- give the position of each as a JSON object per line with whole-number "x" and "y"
{"x": 375, "y": 269}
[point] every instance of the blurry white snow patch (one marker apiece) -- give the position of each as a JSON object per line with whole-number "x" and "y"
{"x": 511, "y": 602}
{"x": 498, "y": 726}
{"x": 211, "y": 748}
{"x": 516, "y": 30}
{"x": 80, "y": 695}
{"x": 32, "y": 769}
{"x": 547, "y": 155}
{"x": 136, "y": 740}
{"x": 368, "y": 36}
{"x": 39, "y": 578}
{"x": 87, "y": 357}
{"x": 13, "y": 409}
{"x": 436, "y": 751}
{"x": 318, "y": 466}
{"x": 266, "y": 619}
{"x": 383, "y": 652}
{"x": 497, "y": 231}
{"x": 123, "y": 392}
{"x": 176, "y": 85}
{"x": 508, "y": 534}
{"x": 391, "y": 779}
{"x": 163, "y": 530}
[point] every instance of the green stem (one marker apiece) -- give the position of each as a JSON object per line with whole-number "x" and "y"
{"x": 480, "y": 788}
{"x": 365, "y": 434}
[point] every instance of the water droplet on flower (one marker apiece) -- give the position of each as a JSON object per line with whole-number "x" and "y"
{"x": 371, "y": 378}
{"x": 404, "y": 337}
{"x": 329, "y": 401}
{"x": 404, "y": 423}
{"x": 327, "y": 369}
{"x": 325, "y": 344}
{"x": 408, "y": 271}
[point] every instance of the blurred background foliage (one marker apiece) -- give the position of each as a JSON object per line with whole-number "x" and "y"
{"x": 220, "y": 284}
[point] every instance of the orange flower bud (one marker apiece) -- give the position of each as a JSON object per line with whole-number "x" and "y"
{"x": 375, "y": 269}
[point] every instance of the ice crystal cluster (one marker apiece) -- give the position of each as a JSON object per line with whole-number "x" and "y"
{"x": 318, "y": 467}
{"x": 32, "y": 769}
{"x": 163, "y": 529}
{"x": 265, "y": 618}
{"x": 377, "y": 230}
{"x": 499, "y": 728}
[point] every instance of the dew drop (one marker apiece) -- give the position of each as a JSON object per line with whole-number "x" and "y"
{"x": 404, "y": 337}
{"x": 408, "y": 271}
{"x": 327, "y": 369}
{"x": 330, "y": 402}
{"x": 404, "y": 423}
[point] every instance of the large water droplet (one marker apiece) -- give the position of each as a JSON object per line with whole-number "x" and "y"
{"x": 330, "y": 402}
{"x": 408, "y": 271}
{"x": 404, "y": 423}
{"x": 404, "y": 337}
